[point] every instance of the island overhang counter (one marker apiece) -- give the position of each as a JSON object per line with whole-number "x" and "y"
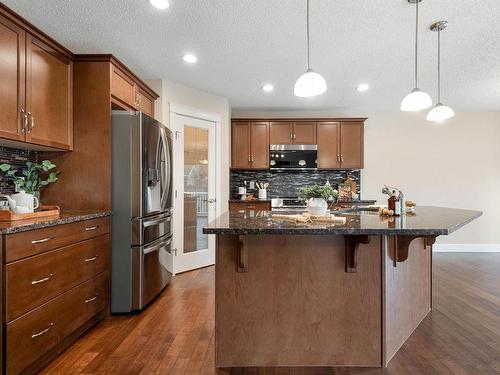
{"x": 316, "y": 294}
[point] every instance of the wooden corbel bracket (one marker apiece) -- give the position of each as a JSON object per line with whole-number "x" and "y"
{"x": 402, "y": 245}
{"x": 242, "y": 256}
{"x": 351, "y": 251}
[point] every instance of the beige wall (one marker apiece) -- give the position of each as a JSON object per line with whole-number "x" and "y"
{"x": 175, "y": 94}
{"x": 456, "y": 164}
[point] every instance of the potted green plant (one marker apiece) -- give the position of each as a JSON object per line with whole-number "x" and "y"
{"x": 33, "y": 178}
{"x": 317, "y": 197}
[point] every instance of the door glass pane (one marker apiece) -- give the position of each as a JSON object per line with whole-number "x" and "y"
{"x": 195, "y": 188}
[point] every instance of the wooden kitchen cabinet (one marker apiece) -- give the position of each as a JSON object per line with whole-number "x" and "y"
{"x": 250, "y": 205}
{"x": 280, "y": 133}
{"x": 298, "y": 133}
{"x": 340, "y": 144}
{"x": 328, "y": 135}
{"x": 12, "y": 73}
{"x": 122, "y": 88}
{"x": 126, "y": 92}
{"x": 36, "y": 86}
{"x": 259, "y": 145}
{"x": 56, "y": 285}
{"x": 250, "y": 145}
{"x": 240, "y": 145}
{"x": 340, "y": 141}
{"x": 304, "y": 133}
{"x": 48, "y": 95}
{"x": 146, "y": 103}
{"x": 352, "y": 145}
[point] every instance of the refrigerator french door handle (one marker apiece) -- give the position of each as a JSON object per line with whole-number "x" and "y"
{"x": 168, "y": 163}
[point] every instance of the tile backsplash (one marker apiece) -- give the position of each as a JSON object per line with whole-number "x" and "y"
{"x": 17, "y": 158}
{"x": 288, "y": 183}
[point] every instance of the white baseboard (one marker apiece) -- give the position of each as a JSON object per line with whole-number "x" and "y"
{"x": 466, "y": 248}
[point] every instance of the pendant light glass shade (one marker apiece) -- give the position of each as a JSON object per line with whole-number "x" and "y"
{"x": 309, "y": 84}
{"x": 440, "y": 113}
{"x": 416, "y": 101}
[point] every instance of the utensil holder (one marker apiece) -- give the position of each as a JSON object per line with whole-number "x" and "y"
{"x": 262, "y": 194}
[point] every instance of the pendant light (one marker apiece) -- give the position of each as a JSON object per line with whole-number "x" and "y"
{"x": 417, "y": 99}
{"x": 310, "y": 83}
{"x": 440, "y": 112}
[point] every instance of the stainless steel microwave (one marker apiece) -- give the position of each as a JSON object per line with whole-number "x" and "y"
{"x": 293, "y": 157}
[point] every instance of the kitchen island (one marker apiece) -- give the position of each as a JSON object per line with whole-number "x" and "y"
{"x": 316, "y": 294}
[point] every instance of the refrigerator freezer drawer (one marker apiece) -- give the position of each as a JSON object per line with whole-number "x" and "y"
{"x": 149, "y": 272}
{"x": 148, "y": 229}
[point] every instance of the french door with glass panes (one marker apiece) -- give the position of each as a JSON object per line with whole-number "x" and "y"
{"x": 194, "y": 181}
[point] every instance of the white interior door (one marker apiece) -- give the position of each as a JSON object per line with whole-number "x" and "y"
{"x": 195, "y": 185}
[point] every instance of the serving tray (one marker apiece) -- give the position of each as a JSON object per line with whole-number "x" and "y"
{"x": 42, "y": 212}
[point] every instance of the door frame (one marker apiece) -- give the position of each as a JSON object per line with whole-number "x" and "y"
{"x": 176, "y": 110}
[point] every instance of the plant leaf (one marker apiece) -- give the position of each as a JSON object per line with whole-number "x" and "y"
{"x": 5, "y": 167}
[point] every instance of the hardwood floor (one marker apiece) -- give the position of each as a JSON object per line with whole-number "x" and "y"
{"x": 175, "y": 334}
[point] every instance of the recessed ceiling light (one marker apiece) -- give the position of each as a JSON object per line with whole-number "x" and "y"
{"x": 362, "y": 87}
{"x": 190, "y": 58}
{"x": 267, "y": 87}
{"x": 160, "y": 4}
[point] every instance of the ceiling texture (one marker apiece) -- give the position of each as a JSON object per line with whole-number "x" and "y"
{"x": 242, "y": 44}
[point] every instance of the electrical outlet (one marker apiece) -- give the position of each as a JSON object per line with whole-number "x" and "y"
{"x": 252, "y": 184}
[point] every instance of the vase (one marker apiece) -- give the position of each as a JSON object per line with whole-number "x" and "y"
{"x": 317, "y": 206}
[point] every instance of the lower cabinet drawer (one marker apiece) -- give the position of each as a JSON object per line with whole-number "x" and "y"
{"x": 37, "y": 279}
{"x": 25, "y": 244}
{"x": 259, "y": 206}
{"x": 34, "y": 334}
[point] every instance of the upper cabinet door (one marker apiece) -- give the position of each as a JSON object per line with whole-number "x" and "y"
{"x": 145, "y": 103}
{"x": 280, "y": 133}
{"x": 328, "y": 136}
{"x": 240, "y": 145}
{"x": 352, "y": 141}
{"x": 49, "y": 95}
{"x": 12, "y": 80}
{"x": 123, "y": 89}
{"x": 304, "y": 133}
{"x": 259, "y": 145}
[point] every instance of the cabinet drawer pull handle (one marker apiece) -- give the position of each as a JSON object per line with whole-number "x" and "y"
{"x": 43, "y": 332}
{"x": 45, "y": 279}
{"x": 91, "y": 259}
{"x": 88, "y": 229}
{"x": 43, "y": 240}
{"x": 92, "y": 299}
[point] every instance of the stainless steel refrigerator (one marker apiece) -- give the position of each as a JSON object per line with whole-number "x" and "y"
{"x": 142, "y": 210}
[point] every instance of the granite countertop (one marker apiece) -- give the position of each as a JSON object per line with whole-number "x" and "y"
{"x": 66, "y": 217}
{"x": 425, "y": 221}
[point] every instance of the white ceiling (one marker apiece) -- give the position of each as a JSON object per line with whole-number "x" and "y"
{"x": 242, "y": 44}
